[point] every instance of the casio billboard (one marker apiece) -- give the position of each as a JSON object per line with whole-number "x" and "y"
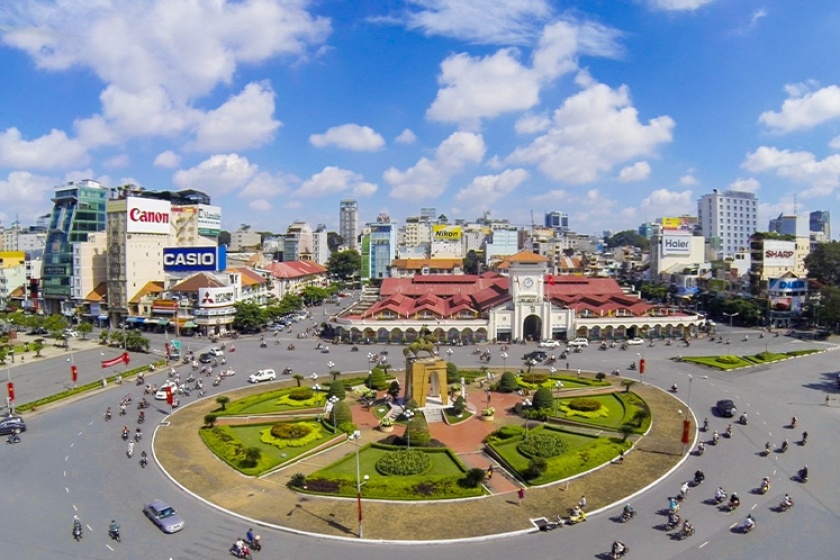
{"x": 194, "y": 259}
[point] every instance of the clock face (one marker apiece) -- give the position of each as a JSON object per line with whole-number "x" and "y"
{"x": 528, "y": 282}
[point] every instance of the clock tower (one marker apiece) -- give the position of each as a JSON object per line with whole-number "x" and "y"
{"x": 527, "y": 272}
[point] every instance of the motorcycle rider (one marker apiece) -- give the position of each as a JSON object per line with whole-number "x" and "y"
{"x": 141, "y": 417}
{"x": 130, "y": 450}
{"x": 803, "y": 473}
{"x": 122, "y": 409}
{"x": 138, "y": 434}
{"x": 108, "y": 414}
{"x": 239, "y": 547}
{"x": 701, "y": 448}
{"x": 249, "y": 536}
{"x": 688, "y": 528}
{"x": 743, "y": 419}
{"x": 673, "y": 506}
{"x": 765, "y": 484}
{"x": 674, "y": 388}
{"x": 705, "y": 424}
{"x": 793, "y": 422}
{"x": 114, "y": 530}
{"x": 632, "y": 365}
{"x": 734, "y": 501}
{"x": 804, "y": 437}
{"x": 699, "y": 476}
{"x": 125, "y": 432}
{"x": 784, "y": 445}
{"x": 729, "y": 430}
{"x": 715, "y": 437}
{"x": 618, "y": 549}
{"x": 673, "y": 519}
{"x": 767, "y": 448}
{"x": 749, "y": 523}
{"x": 143, "y": 459}
{"x": 720, "y": 494}
{"x": 628, "y": 512}
{"x": 786, "y": 503}
{"x": 77, "y": 527}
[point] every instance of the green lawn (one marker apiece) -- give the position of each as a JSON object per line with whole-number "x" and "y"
{"x": 729, "y": 362}
{"x": 612, "y": 402}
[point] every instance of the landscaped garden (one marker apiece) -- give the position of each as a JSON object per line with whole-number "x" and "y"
{"x": 728, "y": 362}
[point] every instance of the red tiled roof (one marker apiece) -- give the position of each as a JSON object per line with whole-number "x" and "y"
{"x": 295, "y": 269}
{"x": 149, "y": 288}
{"x": 99, "y": 293}
{"x": 196, "y": 282}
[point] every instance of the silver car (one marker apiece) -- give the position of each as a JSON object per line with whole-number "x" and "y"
{"x": 164, "y": 516}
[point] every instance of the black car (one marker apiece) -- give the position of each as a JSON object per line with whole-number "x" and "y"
{"x": 536, "y": 355}
{"x": 12, "y": 425}
{"x": 205, "y": 358}
{"x": 726, "y": 408}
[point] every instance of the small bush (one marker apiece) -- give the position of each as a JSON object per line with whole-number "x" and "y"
{"x": 731, "y": 360}
{"x": 451, "y": 373}
{"x": 417, "y": 431}
{"x": 535, "y": 378}
{"x": 507, "y": 384}
{"x": 286, "y": 430}
{"x": 337, "y": 390}
{"x": 536, "y": 467}
{"x": 584, "y": 405}
{"x": 543, "y": 398}
{"x": 378, "y": 381}
{"x": 506, "y": 432}
{"x": 341, "y": 414}
{"x": 474, "y": 477}
{"x": 293, "y": 434}
{"x": 298, "y": 480}
{"x": 600, "y": 376}
{"x": 301, "y": 393}
{"x": 544, "y": 445}
{"x": 404, "y": 463}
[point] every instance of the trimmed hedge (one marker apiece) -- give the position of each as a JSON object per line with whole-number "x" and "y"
{"x": 404, "y": 463}
{"x": 542, "y": 445}
{"x": 306, "y": 432}
{"x": 584, "y": 405}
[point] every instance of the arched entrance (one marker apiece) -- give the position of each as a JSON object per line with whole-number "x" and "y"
{"x": 532, "y": 327}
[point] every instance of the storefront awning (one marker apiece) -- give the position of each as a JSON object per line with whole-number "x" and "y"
{"x": 163, "y": 322}
{"x": 103, "y": 317}
{"x": 151, "y": 321}
{"x": 135, "y": 319}
{"x": 190, "y": 325}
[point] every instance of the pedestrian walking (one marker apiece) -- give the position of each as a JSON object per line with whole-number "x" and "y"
{"x": 489, "y": 472}
{"x": 521, "y": 495}
{"x": 827, "y": 398}
{"x": 582, "y": 502}
{"x": 488, "y": 397}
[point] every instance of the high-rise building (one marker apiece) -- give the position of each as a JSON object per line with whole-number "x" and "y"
{"x": 379, "y": 249}
{"x": 348, "y": 223}
{"x": 727, "y": 220}
{"x": 297, "y": 243}
{"x": 78, "y": 210}
{"x": 789, "y": 225}
{"x": 820, "y": 220}
{"x": 559, "y": 221}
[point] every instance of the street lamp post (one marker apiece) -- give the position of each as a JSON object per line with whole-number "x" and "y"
{"x": 504, "y": 356}
{"x": 409, "y": 414}
{"x": 360, "y": 481}
{"x": 729, "y": 340}
{"x": 330, "y": 366}
{"x": 688, "y": 402}
{"x": 333, "y": 400}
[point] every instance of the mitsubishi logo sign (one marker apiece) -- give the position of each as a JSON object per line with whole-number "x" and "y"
{"x": 207, "y": 299}
{"x": 216, "y": 297}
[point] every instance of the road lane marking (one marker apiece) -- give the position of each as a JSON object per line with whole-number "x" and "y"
{"x": 109, "y": 547}
{"x": 704, "y": 544}
{"x": 733, "y": 525}
{"x": 66, "y": 490}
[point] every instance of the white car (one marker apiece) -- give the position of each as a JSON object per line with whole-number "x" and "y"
{"x": 262, "y": 375}
{"x": 70, "y": 333}
{"x": 215, "y": 352}
{"x": 579, "y": 342}
{"x": 161, "y": 392}
{"x": 635, "y": 341}
{"x": 550, "y": 344}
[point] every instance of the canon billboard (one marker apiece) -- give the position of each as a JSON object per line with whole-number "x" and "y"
{"x": 779, "y": 253}
{"x": 147, "y": 215}
{"x": 194, "y": 259}
{"x": 674, "y": 244}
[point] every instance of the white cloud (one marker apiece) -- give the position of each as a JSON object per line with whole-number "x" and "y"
{"x": 121, "y": 160}
{"x": 532, "y": 124}
{"x": 664, "y": 202}
{"x": 757, "y": 15}
{"x": 428, "y": 178}
{"x": 679, "y": 5}
{"x": 592, "y": 132}
{"x": 551, "y": 196}
{"x": 804, "y": 109}
{"x": 750, "y": 184}
{"x": 834, "y": 143}
{"x": 511, "y": 22}
{"x": 168, "y": 159}
{"x": 823, "y": 176}
{"x": 49, "y": 151}
{"x": 260, "y": 205}
{"x": 487, "y": 189}
{"x": 219, "y": 174}
{"x": 473, "y": 88}
{"x": 25, "y": 196}
{"x": 688, "y": 180}
{"x": 243, "y": 121}
{"x": 349, "y": 137}
{"x": 266, "y": 185}
{"x": 405, "y": 137}
{"x": 334, "y": 180}
{"x": 639, "y": 171}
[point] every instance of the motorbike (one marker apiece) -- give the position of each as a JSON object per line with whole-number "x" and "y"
{"x": 672, "y": 523}
{"x": 141, "y": 418}
{"x": 287, "y": 371}
{"x": 13, "y": 438}
{"x": 77, "y": 530}
{"x": 108, "y": 415}
{"x": 125, "y": 434}
{"x": 144, "y": 460}
{"x": 633, "y": 366}
{"x": 802, "y": 475}
{"x": 138, "y": 436}
{"x": 618, "y": 552}
{"x": 701, "y": 448}
{"x": 243, "y": 552}
{"x": 354, "y": 348}
{"x": 743, "y": 420}
{"x": 686, "y": 532}
{"x": 719, "y": 498}
{"x": 217, "y": 381}
{"x": 784, "y": 446}
{"x": 715, "y": 438}
{"x": 765, "y": 486}
{"x": 733, "y": 505}
{"x": 290, "y": 347}
{"x": 748, "y": 525}
{"x": 578, "y": 516}
{"x": 699, "y": 478}
{"x": 627, "y": 515}
{"x": 674, "y": 388}
{"x": 705, "y": 424}
{"x": 668, "y": 342}
{"x": 263, "y": 344}
{"x": 114, "y": 533}
{"x": 785, "y": 505}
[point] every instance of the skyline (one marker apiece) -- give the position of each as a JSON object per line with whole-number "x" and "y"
{"x": 613, "y": 112}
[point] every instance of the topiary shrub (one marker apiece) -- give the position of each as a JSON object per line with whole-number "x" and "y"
{"x": 378, "y": 380}
{"x": 451, "y": 373}
{"x": 287, "y": 430}
{"x": 301, "y": 393}
{"x": 535, "y": 378}
{"x": 473, "y": 478}
{"x": 459, "y": 405}
{"x": 417, "y": 431}
{"x": 298, "y": 480}
{"x": 545, "y": 445}
{"x": 507, "y": 384}
{"x": 510, "y": 431}
{"x": 584, "y": 405}
{"x": 600, "y": 376}
{"x": 536, "y": 467}
{"x": 543, "y": 398}
{"x": 341, "y": 414}
{"x": 405, "y": 462}
{"x": 337, "y": 390}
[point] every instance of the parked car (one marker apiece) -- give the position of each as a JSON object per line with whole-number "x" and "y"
{"x": 262, "y": 375}
{"x": 164, "y": 516}
{"x": 12, "y": 425}
{"x": 536, "y": 355}
{"x": 550, "y": 344}
{"x": 726, "y": 408}
{"x": 216, "y": 352}
{"x": 634, "y": 341}
{"x": 580, "y": 342}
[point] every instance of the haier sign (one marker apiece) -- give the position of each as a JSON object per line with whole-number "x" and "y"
{"x": 194, "y": 259}
{"x": 676, "y": 245}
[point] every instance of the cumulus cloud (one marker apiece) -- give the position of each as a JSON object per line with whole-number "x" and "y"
{"x": 639, "y": 171}
{"x": 219, "y": 174}
{"x": 679, "y": 5}
{"x": 801, "y": 167}
{"x": 472, "y": 88}
{"x": 593, "y": 131}
{"x": 405, "y": 137}
{"x": 49, "y": 151}
{"x": 168, "y": 159}
{"x": 243, "y": 121}
{"x": 749, "y": 184}
{"x": 266, "y": 185}
{"x": 511, "y": 22}
{"x": 25, "y": 196}
{"x": 349, "y": 137}
{"x": 664, "y": 202}
{"x": 804, "y": 109}
{"x": 260, "y": 205}
{"x": 334, "y": 180}
{"x": 532, "y": 124}
{"x": 120, "y": 160}
{"x": 487, "y": 189}
{"x": 552, "y": 196}
{"x": 688, "y": 180}
{"x": 428, "y": 178}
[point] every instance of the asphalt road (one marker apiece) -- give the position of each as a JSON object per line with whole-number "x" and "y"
{"x": 72, "y": 461}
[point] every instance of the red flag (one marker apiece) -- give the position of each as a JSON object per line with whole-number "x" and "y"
{"x": 112, "y": 361}
{"x": 125, "y": 358}
{"x": 11, "y": 391}
{"x": 169, "y": 399}
{"x": 550, "y": 280}
{"x": 74, "y": 373}
{"x": 642, "y": 365}
{"x": 166, "y": 346}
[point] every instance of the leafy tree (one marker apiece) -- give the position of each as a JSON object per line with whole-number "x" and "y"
{"x": 85, "y": 329}
{"x": 314, "y": 295}
{"x": 224, "y": 237}
{"x": 394, "y": 389}
{"x": 417, "y": 431}
{"x": 210, "y": 420}
{"x": 345, "y": 264}
{"x": 459, "y": 405}
{"x": 543, "y": 398}
{"x": 471, "y": 262}
{"x": 37, "y": 346}
{"x": 297, "y": 377}
{"x": 136, "y": 342}
{"x": 452, "y": 373}
{"x": 474, "y": 477}
{"x": 341, "y": 414}
{"x": 223, "y": 401}
{"x": 337, "y": 390}
{"x": 626, "y": 430}
{"x": 55, "y": 324}
{"x": 507, "y": 383}
{"x": 104, "y": 334}
{"x": 250, "y": 317}
{"x": 828, "y": 313}
{"x": 823, "y": 263}
{"x": 253, "y": 456}
{"x": 334, "y": 241}
{"x": 628, "y": 237}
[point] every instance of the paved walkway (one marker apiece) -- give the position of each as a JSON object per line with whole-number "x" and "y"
{"x": 184, "y": 455}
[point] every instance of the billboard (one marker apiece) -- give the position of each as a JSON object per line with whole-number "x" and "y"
{"x": 209, "y": 220}
{"x": 779, "y": 253}
{"x": 685, "y": 223}
{"x": 446, "y": 233}
{"x": 194, "y": 259}
{"x": 781, "y": 285}
{"x": 216, "y": 297}
{"x": 676, "y": 244}
{"x": 147, "y": 215}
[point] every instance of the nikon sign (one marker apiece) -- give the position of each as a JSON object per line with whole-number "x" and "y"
{"x": 446, "y": 233}
{"x": 194, "y": 259}
{"x": 676, "y": 245}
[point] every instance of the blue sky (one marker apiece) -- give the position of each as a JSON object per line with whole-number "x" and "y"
{"x": 614, "y": 111}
